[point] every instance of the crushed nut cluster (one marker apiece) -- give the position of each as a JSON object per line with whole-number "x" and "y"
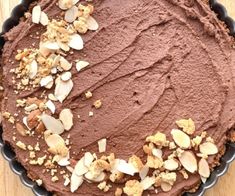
{"x": 47, "y": 67}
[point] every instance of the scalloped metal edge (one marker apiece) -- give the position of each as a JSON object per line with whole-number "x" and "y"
{"x": 223, "y": 15}
{"x": 17, "y": 168}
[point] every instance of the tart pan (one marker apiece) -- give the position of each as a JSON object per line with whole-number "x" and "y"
{"x": 17, "y": 168}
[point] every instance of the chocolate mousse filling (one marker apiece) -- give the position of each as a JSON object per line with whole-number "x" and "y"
{"x": 136, "y": 69}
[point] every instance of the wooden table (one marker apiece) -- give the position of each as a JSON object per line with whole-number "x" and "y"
{"x": 10, "y": 184}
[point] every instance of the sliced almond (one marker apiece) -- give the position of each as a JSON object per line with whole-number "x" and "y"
{"x": 63, "y": 89}
{"x": 54, "y": 139}
{"x": 208, "y": 148}
{"x": 126, "y": 168}
{"x": 36, "y": 14}
{"x": 157, "y": 152}
{"x": 64, "y": 161}
{"x": 44, "y": 19}
{"x": 51, "y": 45}
{"x": 147, "y": 182}
{"x": 171, "y": 164}
{"x": 92, "y": 24}
{"x": 203, "y": 168}
{"x": 33, "y": 119}
{"x": 52, "y": 124}
{"x": 65, "y": 64}
{"x": 189, "y": 162}
{"x": 76, "y": 42}
{"x": 81, "y": 65}
{"x": 203, "y": 180}
{"x": 166, "y": 187}
{"x": 21, "y": 130}
{"x": 66, "y": 117}
{"x": 80, "y": 168}
{"x": 102, "y": 145}
{"x": 181, "y": 138}
{"x": 33, "y": 69}
{"x": 90, "y": 177}
{"x": 144, "y": 172}
{"x": 51, "y": 106}
{"x": 71, "y": 14}
{"x": 46, "y": 81}
{"x": 66, "y": 76}
{"x": 75, "y": 182}
{"x": 88, "y": 159}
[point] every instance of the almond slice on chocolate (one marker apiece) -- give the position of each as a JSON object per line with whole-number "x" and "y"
{"x": 36, "y": 14}
{"x": 88, "y": 159}
{"x": 71, "y": 14}
{"x": 66, "y": 76}
{"x": 171, "y": 164}
{"x": 208, "y": 148}
{"x": 44, "y": 19}
{"x": 66, "y": 117}
{"x": 80, "y": 168}
{"x": 46, "y": 81}
{"x": 166, "y": 187}
{"x": 33, "y": 69}
{"x": 157, "y": 152}
{"x": 92, "y": 24}
{"x": 144, "y": 172}
{"x": 52, "y": 124}
{"x": 188, "y": 160}
{"x": 75, "y": 182}
{"x": 81, "y": 65}
{"x": 64, "y": 64}
{"x": 126, "y": 168}
{"x": 203, "y": 168}
{"x": 147, "y": 182}
{"x": 181, "y": 138}
{"x": 102, "y": 145}
{"x": 90, "y": 177}
{"x": 51, "y": 45}
{"x": 51, "y": 106}
{"x": 63, "y": 89}
{"x": 76, "y": 42}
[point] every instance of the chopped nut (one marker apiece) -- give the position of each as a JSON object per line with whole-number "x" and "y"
{"x": 39, "y": 182}
{"x": 66, "y": 116}
{"x": 133, "y": 188}
{"x": 187, "y": 125}
{"x": 169, "y": 178}
{"x": 184, "y": 173}
{"x": 32, "y": 154}
{"x": 54, "y": 179}
{"x": 102, "y": 145}
{"x": 88, "y": 94}
{"x": 166, "y": 186}
{"x": 136, "y": 162}
{"x": 21, "y": 145}
{"x": 159, "y": 139}
{"x": 97, "y": 104}
{"x": 116, "y": 176}
{"x": 118, "y": 192}
{"x": 154, "y": 162}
